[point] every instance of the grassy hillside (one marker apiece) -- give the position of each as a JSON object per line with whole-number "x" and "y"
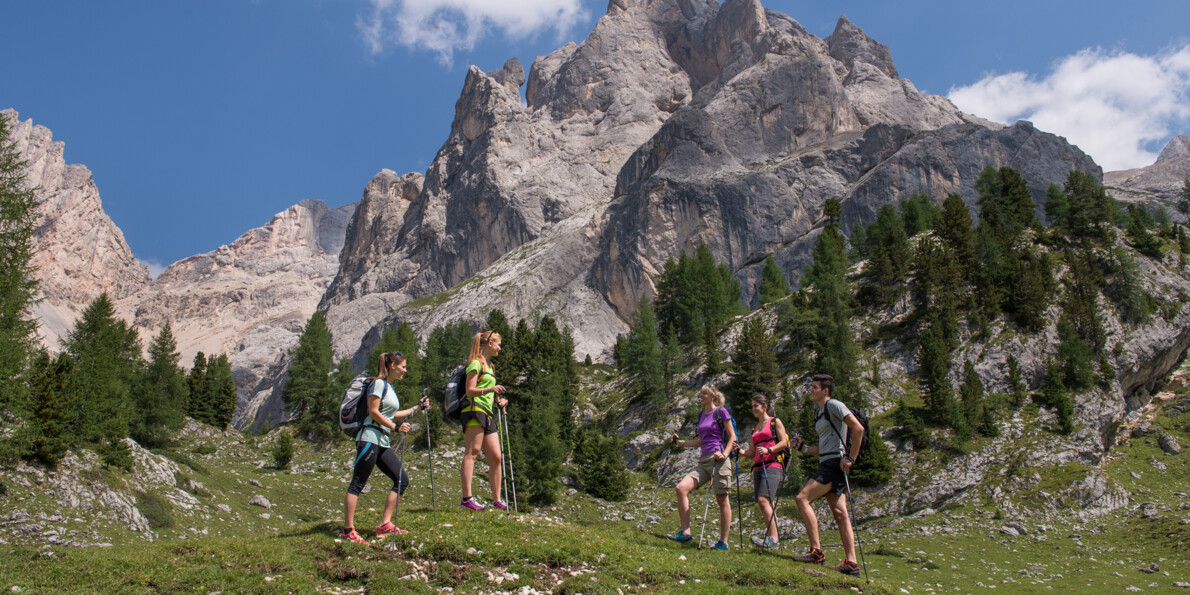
{"x": 581, "y": 544}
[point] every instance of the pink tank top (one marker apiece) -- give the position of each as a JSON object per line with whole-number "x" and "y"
{"x": 765, "y": 438}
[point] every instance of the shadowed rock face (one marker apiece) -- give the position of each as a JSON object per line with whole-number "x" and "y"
{"x": 78, "y": 251}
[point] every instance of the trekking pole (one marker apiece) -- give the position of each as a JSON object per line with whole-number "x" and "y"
{"x": 502, "y": 438}
{"x": 430, "y": 454}
{"x": 855, "y": 529}
{"x": 511, "y": 469}
{"x": 401, "y": 465}
{"x": 735, "y": 461}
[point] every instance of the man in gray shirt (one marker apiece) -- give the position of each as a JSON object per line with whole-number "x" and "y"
{"x": 829, "y": 479}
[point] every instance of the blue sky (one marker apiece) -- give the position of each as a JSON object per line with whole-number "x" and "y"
{"x": 201, "y": 119}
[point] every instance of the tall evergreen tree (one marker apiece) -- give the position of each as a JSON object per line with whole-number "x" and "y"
{"x": 160, "y": 394}
{"x": 934, "y": 370}
{"x": 600, "y": 466}
{"x": 754, "y": 367}
{"x": 642, "y": 354}
{"x": 1053, "y": 394}
{"x": 888, "y": 257}
{"x": 309, "y": 373}
{"x": 1032, "y": 289}
{"x": 773, "y": 285}
{"x": 18, "y": 286}
{"x": 971, "y": 397}
{"x": 672, "y": 361}
{"x": 1016, "y": 388}
{"x": 830, "y": 295}
{"x": 1138, "y": 232}
{"x": 919, "y": 213}
{"x": 405, "y": 340}
{"x": 447, "y": 347}
{"x": 223, "y": 392}
{"x": 937, "y": 290}
{"x": 106, "y": 353}
{"x": 52, "y": 408}
{"x": 198, "y": 402}
{"x": 954, "y": 227}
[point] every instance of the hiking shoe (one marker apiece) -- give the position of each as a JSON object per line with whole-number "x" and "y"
{"x": 769, "y": 542}
{"x": 848, "y": 567}
{"x": 814, "y": 556}
{"x": 682, "y": 537}
{"x": 351, "y": 535}
{"x": 389, "y": 529}
{"x": 472, "y": 504}
{"x": 720, "y": 545}
{"x": 500, "y": 504}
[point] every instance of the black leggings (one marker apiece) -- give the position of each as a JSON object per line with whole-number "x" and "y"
{"x": 369, "y": 455}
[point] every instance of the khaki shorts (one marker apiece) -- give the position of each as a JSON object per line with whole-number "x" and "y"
{"x": 721, "y": 470}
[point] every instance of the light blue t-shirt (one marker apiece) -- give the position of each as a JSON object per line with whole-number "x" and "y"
{"x": 389, "y": 406}
{"x": 829, "y": 444}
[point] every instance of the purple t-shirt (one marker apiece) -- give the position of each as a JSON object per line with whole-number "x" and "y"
{"x": 708, "y": 430}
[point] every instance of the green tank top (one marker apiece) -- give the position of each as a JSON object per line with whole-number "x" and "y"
{"x": 486, "y": 379}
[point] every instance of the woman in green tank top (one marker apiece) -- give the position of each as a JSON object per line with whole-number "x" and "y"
{"x": 480, "y": 431}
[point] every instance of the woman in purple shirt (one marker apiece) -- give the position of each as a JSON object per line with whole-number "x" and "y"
{"x": 716, "y": 436}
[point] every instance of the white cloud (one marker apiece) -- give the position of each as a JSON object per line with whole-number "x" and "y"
{"x": 1113, "y": 105}
{"x": 443, "y": 26}
{"x": 155, "y": 267}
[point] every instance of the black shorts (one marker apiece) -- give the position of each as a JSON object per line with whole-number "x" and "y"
{"x": 829, "y": 473}
{"x": 485, "y": 421}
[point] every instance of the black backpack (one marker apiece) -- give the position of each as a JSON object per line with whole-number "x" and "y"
{"x": 456, "y": 391}
{"x": 864, "y": 446}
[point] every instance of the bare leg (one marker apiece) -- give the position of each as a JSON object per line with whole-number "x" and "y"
{"x": 766, "y": 510}
{"x": 838, "y": 506}
{"x": 390, "y": 505}
{"x": 472, "y": 441}
{"x": 683, "y": 489}
{"x": 811, "y": 492}
{"x": 724, "y": 516}
{"x": 349, "y": 510}
{"x": 491, "y": 448}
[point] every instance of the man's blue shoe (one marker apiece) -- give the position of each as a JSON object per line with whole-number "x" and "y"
{"x": 720, "y": 545}
{"x": 681, "y": 537}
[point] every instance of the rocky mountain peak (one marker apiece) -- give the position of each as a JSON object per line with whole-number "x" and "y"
{"x": 1177, "y": 147}
{"x": 849, "y": 44}
{"x": 77, "y": 249}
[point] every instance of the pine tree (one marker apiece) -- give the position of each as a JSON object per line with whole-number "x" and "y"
{"x": 401, "y": 339}
{"x": 971, "y": 396}
{"x": 859, "y": 242}
{"x": 799, "y": 324}
{"x": 106, "y": 353}
{"x": 672, "y": 361}
{"x": 1016, "y": 388}
{"x": 954, "y": 228}
{"x": 888, "y": 257}
{"x": 160, "y": 394}
{"x": 1088, "y": 212}
{"x": 1032, "y": 290}
{"x": 830, "y": 295}
{"x": 198, "y": 404}
{"x": 543, "y": 448}
{"x": 600, "y": 466}
{"x": 642, "y": 354}
{"x": 446, "y": 348}
{"x": 282, "y": 451}
{"x": 1138, "y": 231}
{"x": 1184, "y": 204}
{"x": 936, "y": 290}
{"x": 223, "y": 392}
{"x": 919, "y": 213}
{"x": 753, "y": 367}
{"x": 18, "y": 286}
{"x": 773, "y": 285}
{"x": 934, "y": 370}
{"x": 53, "y": 405}
{"x": 912, "y": 429}
{"x": 1075, "y": 358}
{"x": 309, "y": 371}
{"x": 1053, "y": 394}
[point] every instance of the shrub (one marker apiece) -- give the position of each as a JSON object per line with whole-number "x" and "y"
{"x": 116, "y": 454}
{"x": 283, "y": 451}
{"x": 155, "y": 509}
{"x": 601, "y": 470}
{"x": 204, "y": 449}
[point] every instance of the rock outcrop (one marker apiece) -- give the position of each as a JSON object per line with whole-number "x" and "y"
{"x": 249, "y": 299}
{"x": 77, "y": 249}
{"x": 1165, "y": 179}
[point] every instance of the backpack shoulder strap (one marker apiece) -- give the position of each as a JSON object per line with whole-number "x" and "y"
{"x": 826, "y": 412}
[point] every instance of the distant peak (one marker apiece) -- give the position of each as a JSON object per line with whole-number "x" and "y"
{"x": 1178, "y": 146}
{"x": 849, "y": 44}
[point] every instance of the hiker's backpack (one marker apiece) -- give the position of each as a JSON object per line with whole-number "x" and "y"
{"x": 784, "y": 454}
{"x": 864, "y": 446}
{"x": 456, "y": 389}
{"x": 353, "y": 411}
